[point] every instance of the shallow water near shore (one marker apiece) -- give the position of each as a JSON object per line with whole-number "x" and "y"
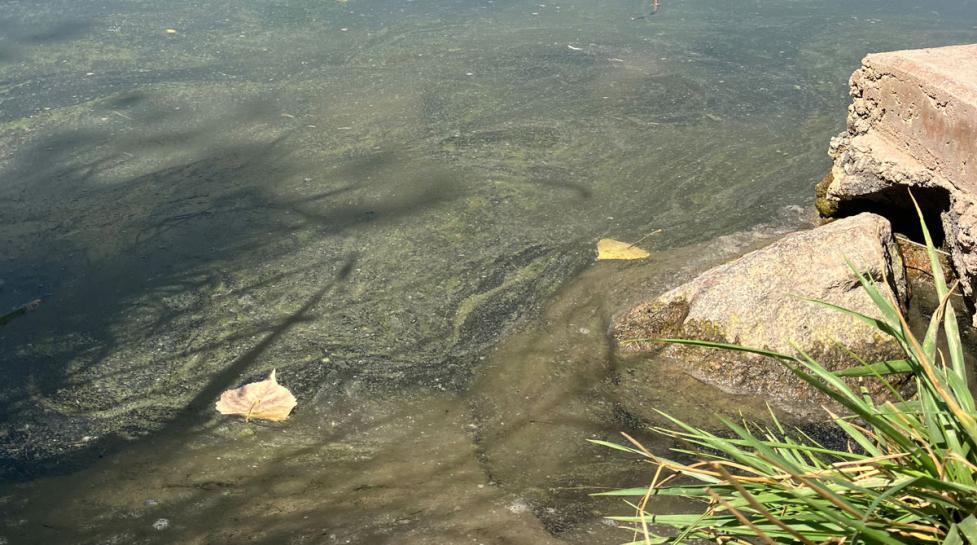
{"x": 394, "y": 204}
{"x": 504, "y": 461}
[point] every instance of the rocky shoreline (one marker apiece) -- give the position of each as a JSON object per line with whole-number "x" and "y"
{"x": 763, "y": 299}
{"x": 912, "y": 126}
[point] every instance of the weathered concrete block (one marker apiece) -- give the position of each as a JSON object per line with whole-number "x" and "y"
{"x": 758, "y": 300}
{"x": 925, "y": 102}
{"x": 913, "y": 124}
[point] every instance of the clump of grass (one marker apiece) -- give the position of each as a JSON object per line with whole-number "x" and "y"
{"x": 908, "y": 476}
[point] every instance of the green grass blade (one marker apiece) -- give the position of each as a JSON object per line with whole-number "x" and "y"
{"x": 715, "y": 345}
{"x": 882, "y": 368}
{"x": 968, "y": 527}
{"x": 953, "y": 537}
{"x": 880, "y": 325}
{"x": 950, "y": 319}
{"x": 616, "y": 446}
{"x": 682, "y": 491}
{"x": 888, "y": 310}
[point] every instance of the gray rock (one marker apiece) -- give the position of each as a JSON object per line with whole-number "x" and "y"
{"x": 757, "y": 300}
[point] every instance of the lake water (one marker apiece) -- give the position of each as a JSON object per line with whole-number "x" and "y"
{"x": 395, "y": 204}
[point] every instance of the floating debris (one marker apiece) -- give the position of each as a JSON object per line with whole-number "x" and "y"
{"x": 649, "y": 8}
{"x": 20, "y": 311}
{"x": 263, "y": 400}
{"x": 610, "y": 249}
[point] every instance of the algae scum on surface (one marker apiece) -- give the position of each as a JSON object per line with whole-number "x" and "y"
{"x": 367, "y": 196}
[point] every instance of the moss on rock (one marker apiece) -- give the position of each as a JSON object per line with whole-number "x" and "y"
{"x": 827, "y": 208}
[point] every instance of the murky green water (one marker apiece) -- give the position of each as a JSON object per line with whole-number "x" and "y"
{"x": 395, "y": 205}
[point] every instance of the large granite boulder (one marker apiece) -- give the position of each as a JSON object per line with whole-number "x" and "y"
{"x": 912, "y": 125}
{"x": 758, "y": 300}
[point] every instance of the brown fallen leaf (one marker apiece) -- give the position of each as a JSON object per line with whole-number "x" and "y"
{"x": 265, "y": 400}
{"x": 608, "y": 249}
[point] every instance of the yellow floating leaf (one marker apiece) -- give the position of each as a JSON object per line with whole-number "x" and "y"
{"x": 265, "y": 400}
{"x": 615, "y": 249}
